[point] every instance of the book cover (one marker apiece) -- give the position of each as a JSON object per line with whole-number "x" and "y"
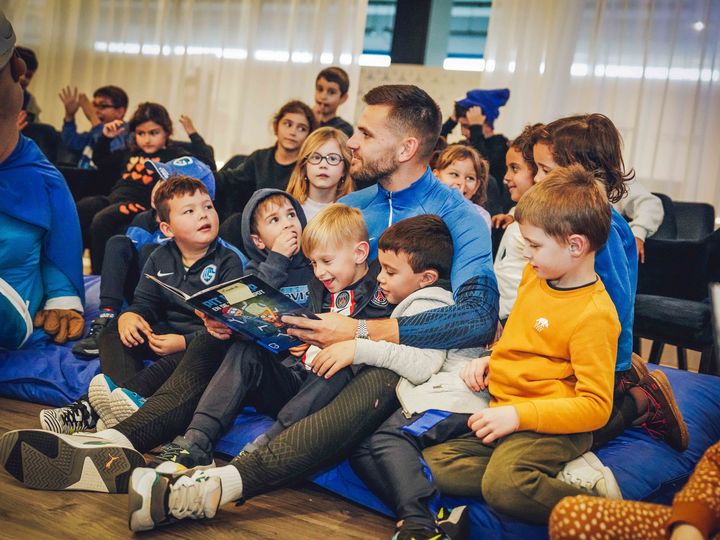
{"x": 250, "y": 307}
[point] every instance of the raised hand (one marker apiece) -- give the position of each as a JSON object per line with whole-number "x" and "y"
{"x": 113, "y": 129}
{"x": 71, "y": 101}
{"x": 187, "y": 124}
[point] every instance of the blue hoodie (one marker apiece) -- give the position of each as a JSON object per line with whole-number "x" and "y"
{"x": 34, "y": 193}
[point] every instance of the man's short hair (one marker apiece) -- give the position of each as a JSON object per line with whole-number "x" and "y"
{"x": 569, "y": 200}
{"x": 425, "y": 239}
{"x": 175, "y": 186}
{"x": 115, "y": 94}
{"x": 412, "y": 112}
{"x": 276, "y": 199}
{"x": 335, "y": 75}
{"x": 334, "y": 226}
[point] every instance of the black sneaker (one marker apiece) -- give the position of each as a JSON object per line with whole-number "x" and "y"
{"x": 181, "y": 452}
{"x": 454, "y": 523}
{"x": 76, "y": 417}
{"x": 413, "y": 531}
{"x": 89, "y": 346}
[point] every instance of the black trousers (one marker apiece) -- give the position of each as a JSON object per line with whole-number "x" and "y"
{"x": 121, "y": 270}
{"x": 391, "y": 465}
{"x": 248, "y": 375}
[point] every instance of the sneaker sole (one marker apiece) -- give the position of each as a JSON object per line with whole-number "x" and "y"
{"x": 663, "y": 382}
{"x": 611, "y": 485}
{"x": 49, "y": 461}
{"x": 99, "y": 397}
{"x": 457, "y": 525}
{"x": 86, "y": 353}
{"x": 122, "y": 406}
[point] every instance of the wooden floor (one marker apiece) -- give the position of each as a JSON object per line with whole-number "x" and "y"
{"x": 298, "y": 513}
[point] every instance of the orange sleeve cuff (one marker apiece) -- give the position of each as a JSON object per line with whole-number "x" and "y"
{"x": 693, "y": 513}
{"x": 528, "y": 415}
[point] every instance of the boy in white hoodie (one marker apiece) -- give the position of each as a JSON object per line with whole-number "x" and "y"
{"x": 415, "y": 256}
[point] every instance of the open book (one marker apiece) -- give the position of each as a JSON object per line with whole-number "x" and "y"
{"x": 248, "y": 306}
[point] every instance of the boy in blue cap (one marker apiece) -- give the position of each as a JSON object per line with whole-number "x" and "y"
{"x": 476, "y": 113}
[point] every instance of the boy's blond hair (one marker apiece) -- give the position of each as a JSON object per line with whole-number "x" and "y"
{"x": 570, "y": 200}
{"x": 334, "y": 226}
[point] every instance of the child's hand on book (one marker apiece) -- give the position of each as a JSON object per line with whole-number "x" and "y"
{"x": 333, "y": 358}
{"x": 475, "y": 373}
{"x": 215, "y": 328}
{"x": 164, "y": 344}
{"x": 131, "y": 327}
{"x": 493, "y": 423}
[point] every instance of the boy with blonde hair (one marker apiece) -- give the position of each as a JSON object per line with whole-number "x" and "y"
{"x": 551, "y": 373}
{"x": 336, "y": 244}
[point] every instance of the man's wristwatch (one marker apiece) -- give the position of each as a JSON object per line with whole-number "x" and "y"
{"x": 362, "y": 330}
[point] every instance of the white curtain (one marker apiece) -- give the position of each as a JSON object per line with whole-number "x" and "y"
{"x": 653, "y": 66}
{"x": 228, "y": 64}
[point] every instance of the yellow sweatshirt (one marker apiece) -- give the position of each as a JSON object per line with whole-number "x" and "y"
{"x": 555, "y": 361}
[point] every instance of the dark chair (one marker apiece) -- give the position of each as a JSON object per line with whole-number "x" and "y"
{"x": 681, "y": 259}
{"x": 187, "y": 145}
{"x": 234, "y": 162}
{"x": 46, "y": 137}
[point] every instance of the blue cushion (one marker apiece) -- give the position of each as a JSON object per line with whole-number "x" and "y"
{"x": 645, "y": 469}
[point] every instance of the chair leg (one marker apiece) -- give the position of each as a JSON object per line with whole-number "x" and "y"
{"x": 655, "y": 352}
{"x": 708, "y": 361}
{"x": 681, "y": 358}
{"x": 637, "y": 345}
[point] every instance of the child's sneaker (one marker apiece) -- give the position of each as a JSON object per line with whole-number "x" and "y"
{"x": 46, "y": 460}
{"x": 73, "y": 418}
{"x": 157, "y": 499}
{"x": 589, "y": 474}
{"x": 124, "y": 403}
{"x": 89, "y": 347}
{"x": 182, "y": 452}
{"x": 413, "y": 531}
{"x": 664, "y": 420}
{"x": 101, "y": 386}
{"x": 454, "y": 523}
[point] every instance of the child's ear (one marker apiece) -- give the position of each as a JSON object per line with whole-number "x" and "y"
{"x": 578, "y": 244}
{"x": 166, "y": 229}
{"x": 257, "y": 241}
{"x": 436, "y": 173}
{"x": 428, "y": 277}
{"x": 408, "y": 148}
{"x": 362, "y": 250}
{"x": 343, "y": 99}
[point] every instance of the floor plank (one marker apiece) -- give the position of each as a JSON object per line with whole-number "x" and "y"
{"x": 302, "y": 512}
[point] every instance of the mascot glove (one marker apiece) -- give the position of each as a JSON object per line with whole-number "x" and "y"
{"x": 61, "y": 324}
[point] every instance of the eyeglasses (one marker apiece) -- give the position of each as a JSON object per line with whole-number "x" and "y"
{"x": 103, "y": 106}
{"x": 316, "y": 159}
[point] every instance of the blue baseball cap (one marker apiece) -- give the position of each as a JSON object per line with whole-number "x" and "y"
{"x": 187, "y": 166}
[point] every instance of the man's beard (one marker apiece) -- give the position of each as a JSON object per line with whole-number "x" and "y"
{"x": 371, "y": 172}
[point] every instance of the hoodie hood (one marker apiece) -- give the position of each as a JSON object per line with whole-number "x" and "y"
{"x": 253, "y": 252}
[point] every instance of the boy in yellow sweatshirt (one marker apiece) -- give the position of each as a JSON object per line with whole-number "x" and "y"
{"x": 551, "y": 373}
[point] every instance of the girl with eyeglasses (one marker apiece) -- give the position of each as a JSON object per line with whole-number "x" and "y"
{"x": 320, "y": 176}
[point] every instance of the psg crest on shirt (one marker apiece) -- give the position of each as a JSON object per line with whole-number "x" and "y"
{"x": 379, "y": 299}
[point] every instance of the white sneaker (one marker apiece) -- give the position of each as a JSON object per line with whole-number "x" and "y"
{"x": 47, "y": 460}
{"x": 99, "y": 390}
{"x": 589, "y": 474}
{"x": 124, "y": 403}
{"x": 160, "y": 499}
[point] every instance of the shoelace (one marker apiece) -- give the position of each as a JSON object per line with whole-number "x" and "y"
{"x": 656, "y": 423}
{"x": 188, "y": 500}
{"x": 579, "y": 482}
{"x": 170, "y": 452}
{"x": 75, "y": 415}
